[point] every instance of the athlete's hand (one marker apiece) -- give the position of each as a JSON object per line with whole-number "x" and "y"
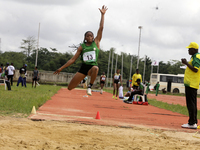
{"x": 57, "y": 71}
{"x": 103, "y": 9}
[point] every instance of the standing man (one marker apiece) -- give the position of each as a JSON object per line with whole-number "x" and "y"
{"x": 147, "y": 84}
{"x": 191, "y": 82}
{"x": 25, "y": 75}
{"x": 22, "y": 72}
{"x": 11, "y": 73}
{"x": 35, "y": 76}
{"x": 136, "y": 76}
{"x": 157, "y": 88}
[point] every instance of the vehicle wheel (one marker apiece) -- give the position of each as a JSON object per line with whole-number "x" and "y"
{"x": 175, "y": 90}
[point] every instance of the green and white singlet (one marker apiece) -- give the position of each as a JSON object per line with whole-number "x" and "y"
{"x": 89, "y": 54}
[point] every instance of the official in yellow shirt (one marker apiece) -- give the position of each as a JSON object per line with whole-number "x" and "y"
{"x": 136, "y": 76}
{"x": 191, "y": 82}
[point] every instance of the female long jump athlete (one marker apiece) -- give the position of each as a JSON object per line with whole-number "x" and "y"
{"x": 89, "y": 52}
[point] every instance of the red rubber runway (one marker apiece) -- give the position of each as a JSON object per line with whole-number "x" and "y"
{"x": 73, "y": 106}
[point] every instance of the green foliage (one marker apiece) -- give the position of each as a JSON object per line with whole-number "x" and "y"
{"x": 18, "y": 58}
{"x": 28, "y": 45}
{"x": 171, "y": 67}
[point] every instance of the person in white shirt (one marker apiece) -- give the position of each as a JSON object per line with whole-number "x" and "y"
{"x": 11, "y": 73}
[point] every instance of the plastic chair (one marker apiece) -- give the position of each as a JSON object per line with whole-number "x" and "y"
{"x": 142, "y": 96}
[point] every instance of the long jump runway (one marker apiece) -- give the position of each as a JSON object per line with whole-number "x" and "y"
{"x": 75, "y": 106}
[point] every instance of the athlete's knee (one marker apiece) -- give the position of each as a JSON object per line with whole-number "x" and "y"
{"x": 96, "y": 68}
{"x": 69, "y": 88}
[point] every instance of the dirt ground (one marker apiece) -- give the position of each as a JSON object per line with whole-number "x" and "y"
{"x": 22, "y": 133}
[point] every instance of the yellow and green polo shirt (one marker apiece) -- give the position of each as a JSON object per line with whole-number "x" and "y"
{"x": 135, "y": 77}
{"x": 192, "y": 78}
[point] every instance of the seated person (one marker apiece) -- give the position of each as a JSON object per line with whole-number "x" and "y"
{"x": 128, "y": 94}
{"x": 139, "y": 90}
{"x": 4, "y": 76}
{"x": 164, "y": 91}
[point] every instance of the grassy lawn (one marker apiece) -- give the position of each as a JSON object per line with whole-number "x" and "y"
{"x": 20, "y": 100}
{"x": 172, "y": 107}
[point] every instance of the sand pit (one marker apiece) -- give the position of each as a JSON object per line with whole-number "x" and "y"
{"x": 22, "y": 133}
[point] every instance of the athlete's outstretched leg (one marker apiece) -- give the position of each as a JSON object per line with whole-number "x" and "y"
{"x": 102, "y": 85}
{"x": 78, "y": 77}
{"x": 93, "y": 73}
{"x": 117, "y": 89}
{"x": 114, "y": 87}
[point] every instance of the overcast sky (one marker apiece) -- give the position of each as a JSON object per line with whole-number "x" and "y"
{"x": 168, "y": 25}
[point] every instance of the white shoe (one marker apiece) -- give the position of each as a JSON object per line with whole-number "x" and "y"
{"x": 101, "y": 91}
{"x": 89, "y": 91}
{"x": 194, "y": 126}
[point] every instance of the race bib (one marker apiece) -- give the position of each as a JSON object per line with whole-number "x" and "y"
{"x": 116, "y": 77}
{"x": 103, "y": 78}
{"x": 89, "y": 56}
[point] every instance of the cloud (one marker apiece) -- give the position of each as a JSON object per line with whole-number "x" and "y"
{"x": 47, "y": 2}
{"x": 165, "y": 34}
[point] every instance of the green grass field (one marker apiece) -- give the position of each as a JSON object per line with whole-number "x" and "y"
{"x": 20, "y": 100}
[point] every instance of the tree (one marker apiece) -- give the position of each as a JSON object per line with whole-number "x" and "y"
{"x": 53, "y": 49}
{"x": 18, "y": 58}
{"x": 28, "y": 45}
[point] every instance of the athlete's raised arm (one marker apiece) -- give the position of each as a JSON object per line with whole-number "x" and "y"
{"x": 100, "y": 30}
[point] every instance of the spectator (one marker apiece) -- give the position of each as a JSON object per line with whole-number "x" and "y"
{"x": 11, "y": 73}
{"x": 164, "y": 91}
{"x": 157, "y": 88}
{"x": 25, "y": 75}
{"x": 22, "y": 72}
{"x": 35, "y": 76}
{"x": 1, "y": 70}
{"x": 139, "y": 90}
{"x": 127, "y": 84}
{"x": 5, "y": 68}
{"x": 147, "y": 84}
{"x": 4, "y": 76}
{"x": 128, "y": 94}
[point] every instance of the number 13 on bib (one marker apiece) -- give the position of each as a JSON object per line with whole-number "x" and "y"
{"x": 89, "y": 56}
